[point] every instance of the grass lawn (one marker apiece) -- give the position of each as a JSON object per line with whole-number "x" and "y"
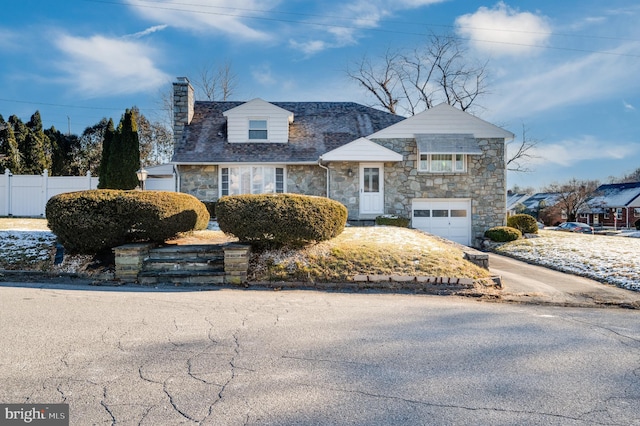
{"x": 358, "y": 250}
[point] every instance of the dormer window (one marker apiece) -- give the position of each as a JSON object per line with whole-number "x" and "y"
{"x": 258, "y": 129}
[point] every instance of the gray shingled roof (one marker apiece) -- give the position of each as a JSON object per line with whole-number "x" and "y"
{"x": 318, "y": 127}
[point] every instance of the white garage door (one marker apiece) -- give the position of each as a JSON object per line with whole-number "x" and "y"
{"x": 448, "y": 218}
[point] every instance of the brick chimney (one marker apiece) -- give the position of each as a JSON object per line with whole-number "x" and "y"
{"x": 183, "y": 99}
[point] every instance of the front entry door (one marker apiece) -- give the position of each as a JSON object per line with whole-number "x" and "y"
{"x": 371, "y": 188}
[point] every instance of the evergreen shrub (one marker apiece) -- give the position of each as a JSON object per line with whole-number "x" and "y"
{"x": 503, "y": 234}
{"x": 94, "y": 221}
{"x": 392, "y": 220}
{"x": 637, "y": 224}
{"x": 525, "y": 223}
{"x": 275, "y": 220}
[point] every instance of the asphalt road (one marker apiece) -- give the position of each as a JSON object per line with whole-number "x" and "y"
{"x": 234, "y": 357}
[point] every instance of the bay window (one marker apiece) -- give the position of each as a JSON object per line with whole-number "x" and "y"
{"x": 251, "y": 180}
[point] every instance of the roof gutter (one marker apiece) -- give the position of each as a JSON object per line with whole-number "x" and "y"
{"x": 327, "y": 169}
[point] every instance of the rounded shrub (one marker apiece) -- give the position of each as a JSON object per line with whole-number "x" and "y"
{"x": 97, "y": 220}
{"x": 280, "y": 219}
{"x": 525, "y": 223}
{"x": 503, "y": 234}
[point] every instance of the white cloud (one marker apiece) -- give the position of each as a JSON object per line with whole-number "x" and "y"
{"x": 8, "y": 39}
{"x": 263, "y": 75}
{"x": 356, "y": 16}
{"x": 569, "y": 152}
{"x": 148, "y": 31}
{"x": 594, "y": 77}
{"x": 503, "y": 30}
{"x": 230, "y": 17}
{"x": 99, "y": 65}
{"x": 628, "y": 106}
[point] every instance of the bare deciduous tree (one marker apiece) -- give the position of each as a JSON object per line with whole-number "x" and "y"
{"x": 418, "y": 80}
{"x": 215, "y": 83}
{"x": 522, "y": 154}
{"x": 573, "y": 195}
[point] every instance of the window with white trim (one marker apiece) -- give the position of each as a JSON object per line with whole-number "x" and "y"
{"x": 251, "y": 180}
{"x": 258, "y": 129}
{"x": 584, "y": 215}
{"x": 619, "y": 213}
{"x": 636, "y": 212}
{"x": 443, "y": 163}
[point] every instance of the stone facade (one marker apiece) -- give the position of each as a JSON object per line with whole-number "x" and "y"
{"x": 183, "y": 103}
{"x": 484, "y": 183}
{"x": 199, "y": 181}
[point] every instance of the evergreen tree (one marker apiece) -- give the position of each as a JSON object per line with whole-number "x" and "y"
{"x": 20, "y": 132}
{"x": 124, "y": 154}
{"x": 9, "y": 154}
{"x": 37, "y": 148}
{"x": 107, "y": 151}
{"x": 62, "y": 151}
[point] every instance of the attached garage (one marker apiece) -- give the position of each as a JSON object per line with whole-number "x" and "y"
{"x": 448, "y": 218}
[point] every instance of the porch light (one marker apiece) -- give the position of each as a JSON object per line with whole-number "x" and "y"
{"x": 142, "y": 176}
{"x": 350, "y": 173}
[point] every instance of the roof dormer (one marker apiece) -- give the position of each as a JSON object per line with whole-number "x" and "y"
{"x": 258, "y": 121}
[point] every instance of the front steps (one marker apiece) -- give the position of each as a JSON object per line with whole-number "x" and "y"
{"x": 187, "y": 264}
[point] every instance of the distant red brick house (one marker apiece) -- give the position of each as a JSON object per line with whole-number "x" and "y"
{"x": 614, "y": 205}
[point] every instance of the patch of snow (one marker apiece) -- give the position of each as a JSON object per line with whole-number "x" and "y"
{"x": 26, "y": 245}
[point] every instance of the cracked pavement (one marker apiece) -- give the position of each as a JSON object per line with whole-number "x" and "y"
{"x": 135, "y": 356}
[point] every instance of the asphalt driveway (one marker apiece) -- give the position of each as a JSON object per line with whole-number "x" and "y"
{"x": 136, "y": 356}
{"x": 527, "y": 283}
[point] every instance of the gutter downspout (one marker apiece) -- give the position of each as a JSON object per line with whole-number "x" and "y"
{"x": 327, "y": 169}
{"x": 177, "y": 178}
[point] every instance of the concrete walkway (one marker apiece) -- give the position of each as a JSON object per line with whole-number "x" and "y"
{"x": 526, "y": 283}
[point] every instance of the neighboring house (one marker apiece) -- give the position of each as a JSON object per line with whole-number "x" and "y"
{"x": 614, "y": 205}
{"x": 515, "y": 203}
{"x": 544, "y": 207}
{"x": 443, "y": 168}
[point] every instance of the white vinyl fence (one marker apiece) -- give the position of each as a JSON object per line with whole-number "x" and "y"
{"x": 27, "y": 195}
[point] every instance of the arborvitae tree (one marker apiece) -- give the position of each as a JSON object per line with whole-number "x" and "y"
{"x": 37, "y": 148}
{"x": 107, "y": 152}
{"x": 62, "y": 151}
{"x": 9, "y": 154}
{"x": 20, "y": 132}
{"x": 124, "y": 157}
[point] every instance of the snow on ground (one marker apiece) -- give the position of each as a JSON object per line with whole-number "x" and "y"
{"x": 611, "y": 259}
{"x": 26, "y": 246}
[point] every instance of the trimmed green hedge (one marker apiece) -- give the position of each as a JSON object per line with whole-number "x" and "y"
{"x": 392, "y": 220}
{"x": 97, "y": 220}
{"x": 503, "y": 234}
{"x": 525, "y": 223}
{"x": 280, "y": 219}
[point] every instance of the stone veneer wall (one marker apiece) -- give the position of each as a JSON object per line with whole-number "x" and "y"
{"x": 484, "y": 183}
{"x": 308, "y": 180}
{"x": 199, "y": 181}
{"x": 345, "y": 188}
{"x": 183, "y": 104}
{"x": 202, "y": 181}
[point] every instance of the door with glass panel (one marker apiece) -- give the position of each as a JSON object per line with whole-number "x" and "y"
{"x": 371, "y": 188}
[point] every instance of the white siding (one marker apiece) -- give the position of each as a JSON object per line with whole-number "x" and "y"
{"x": 362, "y": 150}
{"x": 442, "y": 118}
{"x": 278, "y": 120}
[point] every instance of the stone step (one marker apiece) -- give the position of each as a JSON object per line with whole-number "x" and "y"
{"x": 187, "y": 264}
{"x": 181, "y": 277}
{"x": 193, "y": 251}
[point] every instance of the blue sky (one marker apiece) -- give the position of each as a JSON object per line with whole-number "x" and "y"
{"x": 568, "y": 70}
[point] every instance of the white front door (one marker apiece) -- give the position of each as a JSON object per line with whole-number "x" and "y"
{"x": 371, "y": 188}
